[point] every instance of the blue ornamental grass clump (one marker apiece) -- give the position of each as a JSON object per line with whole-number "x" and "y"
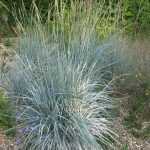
{"x": 62, "y": 99}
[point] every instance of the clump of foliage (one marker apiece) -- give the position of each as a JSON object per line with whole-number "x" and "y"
{"x": 63, "y": 100}
{"x": 7, "y": 121}
{"x": 136, "y": 16}
{"x": 125, "y": 147}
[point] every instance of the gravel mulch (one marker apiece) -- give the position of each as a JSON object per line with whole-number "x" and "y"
{"x": 6, "y": 143}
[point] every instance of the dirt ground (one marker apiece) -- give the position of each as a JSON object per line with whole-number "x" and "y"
{"x": 125, "y": 137}
{"x": 5, "y": 143}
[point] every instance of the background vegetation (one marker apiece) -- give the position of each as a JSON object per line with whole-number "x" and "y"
{"x": 131, "y": 16}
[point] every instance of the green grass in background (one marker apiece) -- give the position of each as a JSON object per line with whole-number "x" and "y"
{"x": 130, "y": 16}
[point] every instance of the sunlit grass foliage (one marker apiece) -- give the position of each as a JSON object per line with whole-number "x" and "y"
{"x": 63, "y": 100}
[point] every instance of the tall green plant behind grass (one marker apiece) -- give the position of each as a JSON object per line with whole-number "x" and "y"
{"x": 109, "y": 13}
{"x": 131, "y": 17}
{"x": 63, "y": 100}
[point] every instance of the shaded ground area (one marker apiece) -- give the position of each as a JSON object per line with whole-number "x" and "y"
{"x": 128, "y": 140}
